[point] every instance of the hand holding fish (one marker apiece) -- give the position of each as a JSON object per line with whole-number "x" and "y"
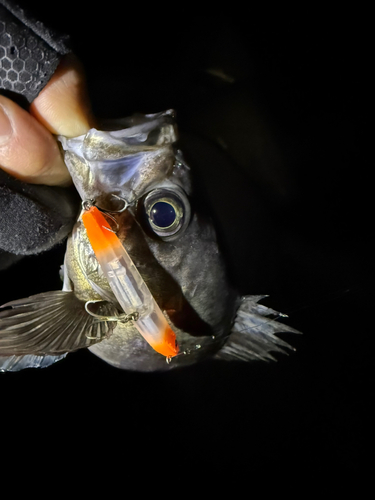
{"x": 181, "y": 302}
{"x": 160, "y": 273}
{"x": 28, "y": 150}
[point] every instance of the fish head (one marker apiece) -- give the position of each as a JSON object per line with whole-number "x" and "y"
{"x": 142, "y": 179}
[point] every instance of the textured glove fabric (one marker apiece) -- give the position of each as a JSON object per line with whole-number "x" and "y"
{"x": 34, "y": 218}
{"x": 29, "y": 52}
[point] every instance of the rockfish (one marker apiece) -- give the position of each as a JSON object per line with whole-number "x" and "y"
{"x": 145, "y": 283}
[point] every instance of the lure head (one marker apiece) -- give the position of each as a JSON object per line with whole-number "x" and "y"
{"x": 166, "y": 231}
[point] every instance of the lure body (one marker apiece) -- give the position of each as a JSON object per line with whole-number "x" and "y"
{"x": 128, "y": 285}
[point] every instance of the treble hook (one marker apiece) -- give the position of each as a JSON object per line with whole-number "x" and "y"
{"x": 126, "y": 205}
{"x": 122, "y": 318}
{"x": 87, "y": 204}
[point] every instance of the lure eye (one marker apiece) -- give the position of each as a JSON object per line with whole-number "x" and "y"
{"x": 167, "y": 212}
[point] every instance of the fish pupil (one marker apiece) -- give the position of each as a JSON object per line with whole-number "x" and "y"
{"x": 163, "y": 214}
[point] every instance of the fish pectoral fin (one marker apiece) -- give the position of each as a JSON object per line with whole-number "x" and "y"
{"x": 253, "y": 333}
{"x": 51, "y": 323}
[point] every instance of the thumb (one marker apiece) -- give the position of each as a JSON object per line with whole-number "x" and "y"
{"x": 63, "y": 105}
{"x": 28, "y": 150}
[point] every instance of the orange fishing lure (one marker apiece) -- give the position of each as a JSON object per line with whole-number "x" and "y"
{"x": 128, "y": 285}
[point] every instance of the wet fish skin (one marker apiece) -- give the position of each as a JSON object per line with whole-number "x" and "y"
{"x": 191, "y": 287}
{"x": 185, "y": 272}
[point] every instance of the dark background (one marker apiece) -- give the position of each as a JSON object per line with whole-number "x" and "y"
{"x": 279, "y": 144}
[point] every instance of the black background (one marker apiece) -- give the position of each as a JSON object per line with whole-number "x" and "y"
{"x": 292, "y": 197}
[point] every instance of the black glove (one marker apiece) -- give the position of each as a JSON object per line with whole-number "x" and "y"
{"x": 33, "y": 218}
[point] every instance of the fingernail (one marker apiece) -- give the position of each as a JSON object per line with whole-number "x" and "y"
{"x": 6, "y": 129}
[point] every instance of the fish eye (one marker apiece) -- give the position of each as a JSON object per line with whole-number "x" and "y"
{"x": 167, "y": 211}
{"x": 163, "y": 214}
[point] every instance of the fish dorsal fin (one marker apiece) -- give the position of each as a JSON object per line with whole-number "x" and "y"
{"x": 253, "y": 333}
{"x": 50, "y": 323}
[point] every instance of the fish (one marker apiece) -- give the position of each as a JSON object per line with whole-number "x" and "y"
{"x": 145, "y": 283}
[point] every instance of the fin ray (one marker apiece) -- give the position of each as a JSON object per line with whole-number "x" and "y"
{"x": 17, "y": 363}
{"x": 49, "y": 324}
{"x": 253, "y": 333}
